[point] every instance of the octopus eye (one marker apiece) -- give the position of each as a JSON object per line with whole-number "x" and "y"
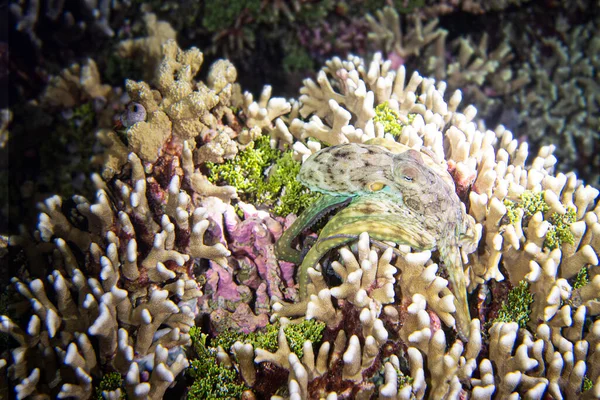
{"x": 376, "y": 186}
{"x": 407, "y": 172}
{"x": 134, "y": 113}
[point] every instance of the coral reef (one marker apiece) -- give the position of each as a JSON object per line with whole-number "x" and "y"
{"x": 173, "y": 266}
{"x": 147, "y": 50}
{"x": 138, "y": 310}
{"x": 389, "y": 36}
{"x": 482, "y": 74}
{"x": 539, "y": 78}
{"x": 52, "y": 139}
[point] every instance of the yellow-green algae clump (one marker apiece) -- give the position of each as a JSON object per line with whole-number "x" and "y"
{"x": 296, "y": 335}
{"x": 109, "y": 383}
{"x": 531, "y": 203}
{"x": 211, "y": 380}
{"x": 517, "y": 306}
{"x": 390, "y": 119}
{"x": 263, "y": 175}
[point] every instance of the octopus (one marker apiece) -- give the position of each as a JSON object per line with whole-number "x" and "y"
{"x": 394, "y": 193}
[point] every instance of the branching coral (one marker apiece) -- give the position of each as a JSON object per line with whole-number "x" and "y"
{"x": 149, "y": 48}
{"x": 483, "y": 75}
{"x": 539, "y": 79}
{"x": 75, "y": 85}
{"x": 386, "y": 30}
{"x": 555, "y": 107}
{"x": 137, "y": 303}
{"x": 128, "y": 257}
{"x": 184, "y": 113}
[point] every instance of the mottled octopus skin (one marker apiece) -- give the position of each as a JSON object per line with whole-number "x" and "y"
{"x": 348, "y": 170}
{"x": 395, "y": 197}
{"x": 354, "y": 169}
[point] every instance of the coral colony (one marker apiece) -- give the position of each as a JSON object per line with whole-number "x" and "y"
{"x": 205, "y": 268}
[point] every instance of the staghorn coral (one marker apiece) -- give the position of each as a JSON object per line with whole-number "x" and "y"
{"x": 485, "y": 76}
{"x": 539, "y": 78}
{"x": 134, "y": 297}
{"x": 75, "y": 85}
{"x": 388, "y": 36}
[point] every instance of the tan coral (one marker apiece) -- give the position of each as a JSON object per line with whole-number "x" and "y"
{"x": 148, "y": 49}
{"x": 368, "y": 284}
{"x": 179, "y": 109}
{"x": 418, "y": 279}
{"x": 133, "y": 305}
{"x": 266, "y": 110}
{"x": 147, "y": 138}
{"x": 220, "y": 148}
{"x": 386, "y": 31}
{"x": 199, "y": 182}
{"x": 74, "y": 85}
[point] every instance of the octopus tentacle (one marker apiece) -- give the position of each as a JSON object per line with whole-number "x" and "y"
{"x": 322, "y": 206}
{"x": 381, "y": 216}
{"x": 450, "y": 255}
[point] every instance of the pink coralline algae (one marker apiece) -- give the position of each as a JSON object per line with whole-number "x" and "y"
{"x": 239, "y": 296}
{"x": 254, "y": 239}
